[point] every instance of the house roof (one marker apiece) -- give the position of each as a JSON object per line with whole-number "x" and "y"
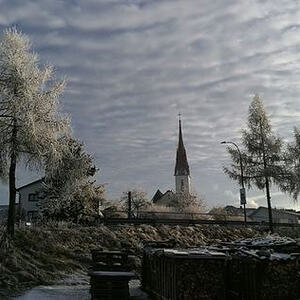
{"x": 249, "y": 211}
{"x": 182, "y": 166}
{"x": 157, "y": 196}
{"x": 256, "y": 211}
{"x": 274, "y": 210}
{"x": 167, "y": 195}
{"x": 233, "y": 210}
{"x": 294, "y": 213}
{"x": 168, "y": 192}
{"x": 31, "y": 183}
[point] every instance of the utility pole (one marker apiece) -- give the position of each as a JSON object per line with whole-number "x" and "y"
{"x": 129, "y": 205}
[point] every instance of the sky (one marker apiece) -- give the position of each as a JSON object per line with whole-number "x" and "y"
{"x": 132, "y": 65}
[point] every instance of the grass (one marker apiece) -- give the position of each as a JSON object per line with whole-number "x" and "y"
{"x": 45, "y": 254}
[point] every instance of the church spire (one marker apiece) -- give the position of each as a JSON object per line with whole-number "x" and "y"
{"x": 182, "y": 166}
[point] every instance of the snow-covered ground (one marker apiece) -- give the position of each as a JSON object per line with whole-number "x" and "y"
{"x": 74, "y": 287}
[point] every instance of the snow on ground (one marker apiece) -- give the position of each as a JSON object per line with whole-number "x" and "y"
{"x": 74, "y": 288}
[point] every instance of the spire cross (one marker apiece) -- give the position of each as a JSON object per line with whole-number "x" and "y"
{"x": 179, "y": 116}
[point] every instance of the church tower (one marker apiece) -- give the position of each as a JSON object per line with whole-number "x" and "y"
{"x": 182, "y": 170}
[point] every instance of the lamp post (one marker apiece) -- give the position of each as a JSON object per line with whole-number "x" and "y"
{"x": 242, "y": 190}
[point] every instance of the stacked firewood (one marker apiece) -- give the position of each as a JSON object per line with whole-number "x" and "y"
{"x": 200, "y": 279}
{"x": 183, "y": 275}
{"x": 231, "y": 271}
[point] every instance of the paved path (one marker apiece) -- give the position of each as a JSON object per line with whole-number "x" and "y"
{"x": 74, "y": 292}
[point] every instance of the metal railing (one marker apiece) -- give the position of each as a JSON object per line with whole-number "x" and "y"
{"x": 173, "y": 215}
{"x": 154, "y": 218}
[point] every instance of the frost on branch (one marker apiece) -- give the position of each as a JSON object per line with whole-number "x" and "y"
{"x": 30, "y": 122}
{"x": 69, "y": 194}
{"x": 29, "y": 105}
{"x": 262, "y": 154}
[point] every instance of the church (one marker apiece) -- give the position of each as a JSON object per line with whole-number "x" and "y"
{"x": 182, "y": 175}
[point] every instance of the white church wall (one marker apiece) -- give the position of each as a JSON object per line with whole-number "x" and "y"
{"x": 182, "y": 183}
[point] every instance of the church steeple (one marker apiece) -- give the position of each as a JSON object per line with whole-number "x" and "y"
{"x": 182, "y": 170}
{"x": 182, "y": 166}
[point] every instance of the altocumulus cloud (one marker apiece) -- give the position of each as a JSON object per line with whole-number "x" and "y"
{"x": 131, "y": 65}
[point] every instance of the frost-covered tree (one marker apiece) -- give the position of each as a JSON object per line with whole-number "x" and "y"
{"x": 76, "y": 204}
{"x": 30, "y": 122}
{"x": 69, "y": 195}
{"x": 262, "y": 155}
{"x": 290, "y": 183}
{"x": 185, "y": 202}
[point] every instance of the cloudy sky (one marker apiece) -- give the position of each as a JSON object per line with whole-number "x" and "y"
{"x": 132, "y": 65}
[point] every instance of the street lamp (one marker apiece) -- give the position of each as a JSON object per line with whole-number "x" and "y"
{"x": 242, "y": 190}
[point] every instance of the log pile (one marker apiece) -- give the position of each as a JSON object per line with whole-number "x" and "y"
{"x": 253, "y": 276}
{"x": 183, "y": 274}
{"x": 243, "y": 270}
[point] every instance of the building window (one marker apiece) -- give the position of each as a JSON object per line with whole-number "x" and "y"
{"x": 32, "y": 214}
{"x": 182, "y": 185}
{"x": 33, "y": 197}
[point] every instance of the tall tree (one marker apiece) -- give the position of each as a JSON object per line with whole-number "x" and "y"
{"x": 290, "y": 183}
{"x": 262, "y": 155}
{"x": 68, "y": 194}
{"x": 30, "y": 123}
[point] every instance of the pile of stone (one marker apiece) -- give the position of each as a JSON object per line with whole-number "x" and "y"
{"x": 246, "y": 269}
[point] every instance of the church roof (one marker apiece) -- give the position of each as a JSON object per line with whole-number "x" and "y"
{"x": 157, "y": 196}
{"x": 165, "y": 199}
{"x": 182, "y": 166}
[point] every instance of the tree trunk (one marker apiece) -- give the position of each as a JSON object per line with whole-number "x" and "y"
{"x": 12, "y": 195}
{"x": 12, "y": 184}
{"x": 267, "y": 180}
{"x": 269, "y": 205}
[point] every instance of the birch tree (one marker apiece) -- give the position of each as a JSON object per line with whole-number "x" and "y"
{"x": 30, "y": 122}
{"x": 262, "y": 155}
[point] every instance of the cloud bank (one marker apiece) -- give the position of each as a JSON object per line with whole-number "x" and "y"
{"x": 132, "y": 65}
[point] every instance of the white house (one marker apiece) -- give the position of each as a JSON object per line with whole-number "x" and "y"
{"x": 3, "y": 213}
{"x": 29, "y": 199}
{"x": 30, "y": 196}
{"x": 261, "y": 214}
